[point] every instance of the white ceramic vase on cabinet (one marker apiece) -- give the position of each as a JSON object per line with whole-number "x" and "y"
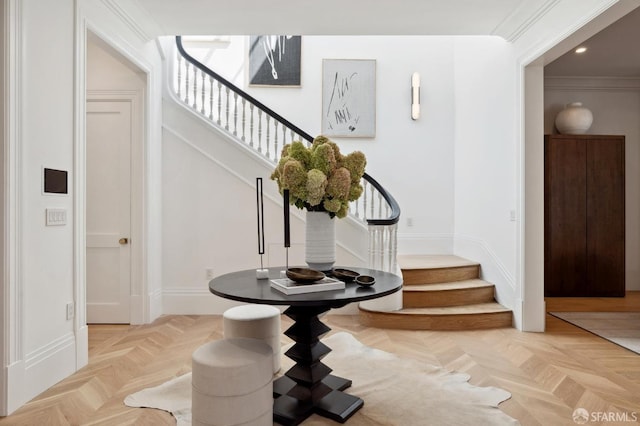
{"x": 574, "y": 119}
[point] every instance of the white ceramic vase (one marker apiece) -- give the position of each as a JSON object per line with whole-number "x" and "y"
{"x": 320, "y": 243}
{"x": 574, "y": 119}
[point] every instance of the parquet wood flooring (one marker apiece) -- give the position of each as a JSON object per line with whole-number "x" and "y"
{"x": 549, "y": 374}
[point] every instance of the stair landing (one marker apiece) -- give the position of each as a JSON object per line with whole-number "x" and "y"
{"x": 442, "y": 292}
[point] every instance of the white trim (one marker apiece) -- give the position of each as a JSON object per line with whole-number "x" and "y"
{"x": 38, "y": 364}
{"x": 592, "y": 84}
{"x": 495, "y": 263}
{"x": 132, "y": 23}
{"x": 527, "y": 9}
{"x": 528, "y": 266}
{"x": 12, "y": 308}
{"x": 79, "y": 187}
{"x": 144, "y": 310}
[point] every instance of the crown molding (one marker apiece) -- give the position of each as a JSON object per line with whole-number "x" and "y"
{"x": 592, "y": 84}
{"x": 522, "y": 18}
{"x": 131, "y": 14}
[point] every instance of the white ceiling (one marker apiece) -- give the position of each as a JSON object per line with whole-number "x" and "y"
{"x": 504, "y": 18}
{"x": 612, "y": 52}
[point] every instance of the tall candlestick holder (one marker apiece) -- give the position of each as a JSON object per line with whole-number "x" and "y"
{"x": 261, "y": 273}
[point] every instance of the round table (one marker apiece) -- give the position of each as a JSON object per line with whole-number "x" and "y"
{"x": 307, "y": 387}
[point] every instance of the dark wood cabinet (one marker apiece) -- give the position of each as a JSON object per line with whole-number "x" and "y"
{"x": 584, "y": 216}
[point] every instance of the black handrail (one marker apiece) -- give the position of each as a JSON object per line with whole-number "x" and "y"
{"x": 394, "y": 216}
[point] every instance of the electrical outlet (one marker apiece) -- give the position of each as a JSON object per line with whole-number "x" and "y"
{"x": 512, "y": 215}
{"x": 209, "y": 272}
{"x": 70, "y": 310}
{"x": 409, "y": 221}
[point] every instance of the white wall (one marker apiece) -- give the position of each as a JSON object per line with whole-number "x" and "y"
{"x": 454, "y": 165}
{"x": 412, "y": 159}
{"x": 210, "y": 219}
{"x": 485, "y": 146}
{"x": 43, "y": 346}
{"x": 615, "y": 104}
{"x": 45, "y": 278}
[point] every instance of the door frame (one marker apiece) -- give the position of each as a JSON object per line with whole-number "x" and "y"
{"x": 141, "y": 306}
{"x": 134, "y": 98}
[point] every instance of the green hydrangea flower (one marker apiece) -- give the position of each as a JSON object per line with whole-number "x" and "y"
{"x": 319, "y": 177}
{"x": 316, "y": 184}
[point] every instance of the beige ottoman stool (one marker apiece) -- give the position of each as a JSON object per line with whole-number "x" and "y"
{"x": 256, "y": 322}
{"x": 232, "y": 383}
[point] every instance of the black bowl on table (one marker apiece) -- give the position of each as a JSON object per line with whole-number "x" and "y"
{"x": 304, "y": 275}
{"x": 365, "y": 280}
{"x": 345, "y": 275}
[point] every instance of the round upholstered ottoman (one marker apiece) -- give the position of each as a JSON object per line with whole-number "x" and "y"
{"x": 232, "y": 383}
{"x": 257, "y": 322}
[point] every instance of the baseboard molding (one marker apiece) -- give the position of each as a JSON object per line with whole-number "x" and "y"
{"x": 82, "y": 347}
{"x": 42, "y": 369}
{"x": 532, "y": 321}
{"x": 16, "y": 394}
{"x": 156, "y": 308}
{"x": 492, "y": 269}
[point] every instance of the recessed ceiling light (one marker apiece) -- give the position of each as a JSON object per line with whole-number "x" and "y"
{"x": 581, "y": 49}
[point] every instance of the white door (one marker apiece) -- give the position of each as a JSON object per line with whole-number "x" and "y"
{"x": 108, "y": 198}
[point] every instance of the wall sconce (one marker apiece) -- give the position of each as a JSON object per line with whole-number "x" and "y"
{"x": 415, "y": 96}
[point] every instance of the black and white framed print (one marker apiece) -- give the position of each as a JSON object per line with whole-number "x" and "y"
{"x": 274, "y": 60}
{"x": 349, "y": 98}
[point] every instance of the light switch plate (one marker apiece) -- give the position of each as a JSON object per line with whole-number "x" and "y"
{"x": 56, "y": 217}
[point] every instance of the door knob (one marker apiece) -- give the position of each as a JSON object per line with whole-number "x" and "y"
{"x": 123, "y": 241}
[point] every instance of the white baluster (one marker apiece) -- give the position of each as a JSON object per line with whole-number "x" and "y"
{"x": 251, "y": 125}
{"x": 204, "y": 76}
{"x": 226, "y": 127}
{"x": 275, "y": 140}
{"x": 178, "y": 87}
{"x": 260, "y": 130}
{"x": 244, "y": 119}
{"x": 195, "y": 88}
{"x": 186, "y": 83}
{"x": 210, "y": 98}
{"x": 268, "y": 143}
{"x": 219, "y": 103}
{"x": 235, "y": 114}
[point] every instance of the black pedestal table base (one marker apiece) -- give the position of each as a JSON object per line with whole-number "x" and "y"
{"x": 307, "y": 387}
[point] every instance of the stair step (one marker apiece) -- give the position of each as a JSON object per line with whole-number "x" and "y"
{"x": 429, "y": 269}
{"x": 466, "y": 292}
{"x": 468, "y": 317}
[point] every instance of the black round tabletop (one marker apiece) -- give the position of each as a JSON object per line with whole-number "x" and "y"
{"x": 245, "y": 287}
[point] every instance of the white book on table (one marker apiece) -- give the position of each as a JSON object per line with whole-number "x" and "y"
{"x": 287, "y": 286}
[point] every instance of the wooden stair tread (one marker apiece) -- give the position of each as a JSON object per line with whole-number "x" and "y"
{"x": 419, "y": 261}
{"x": 445, "y": 286}
{"x": 441, "y": 292}
{"x": 481, "y": 308}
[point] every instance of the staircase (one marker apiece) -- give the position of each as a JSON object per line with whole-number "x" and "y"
{"x": 441, "y": 293}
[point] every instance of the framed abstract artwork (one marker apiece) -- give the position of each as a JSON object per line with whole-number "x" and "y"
{"x": 349, "y": 98}
{"x": 274, "y": 60}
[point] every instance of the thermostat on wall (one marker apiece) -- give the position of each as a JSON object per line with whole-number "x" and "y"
{"x": 55, "y": 181}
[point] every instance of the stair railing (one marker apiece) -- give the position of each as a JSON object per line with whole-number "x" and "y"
{"x": 266, "y": 132}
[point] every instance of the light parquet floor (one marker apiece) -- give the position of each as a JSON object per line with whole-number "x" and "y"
{"x": 549, "y": 374}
